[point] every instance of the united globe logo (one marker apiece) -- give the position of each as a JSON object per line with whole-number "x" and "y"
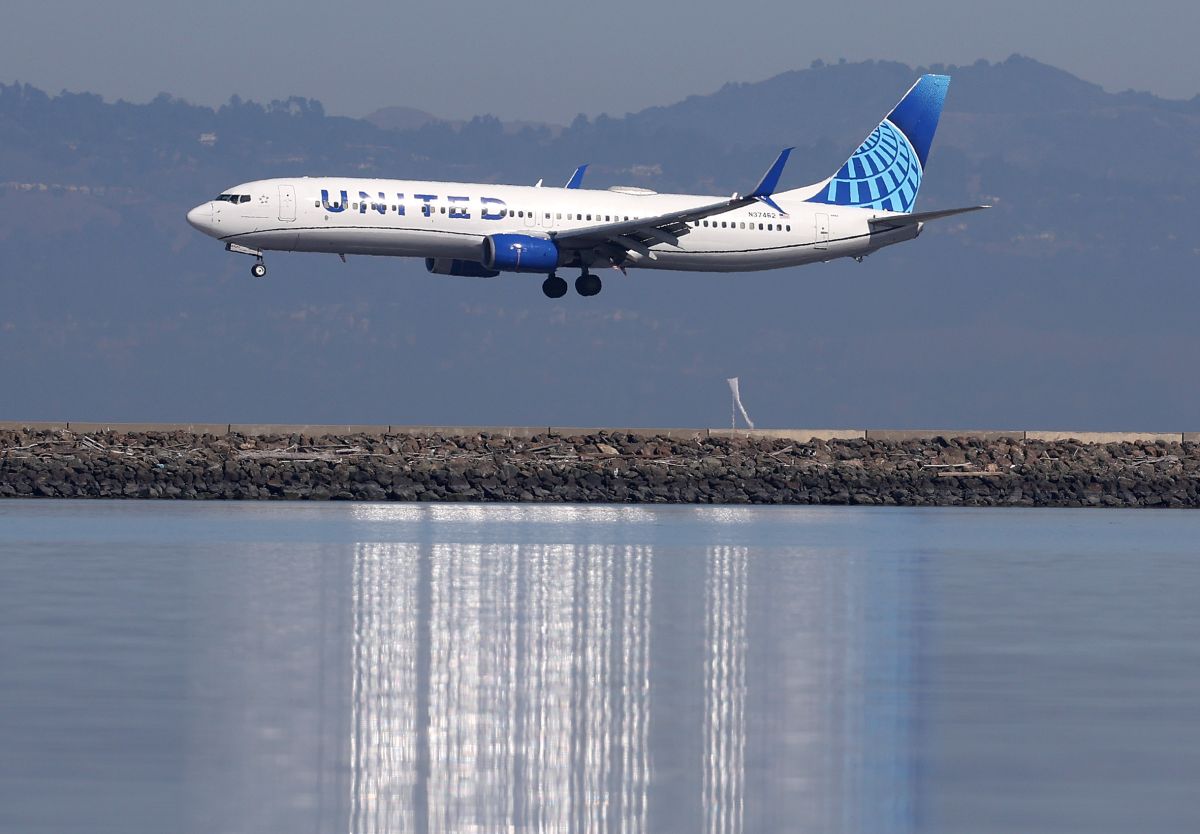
{"x": 884, "y": 173}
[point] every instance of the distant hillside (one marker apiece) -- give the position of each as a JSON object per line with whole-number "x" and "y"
{"x": 400, "y": 118}
{"x": 1068, "y": 304}
{"x": 410, "y": 118}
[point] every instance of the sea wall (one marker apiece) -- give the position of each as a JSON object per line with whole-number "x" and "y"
{"x": 682, "y": 466}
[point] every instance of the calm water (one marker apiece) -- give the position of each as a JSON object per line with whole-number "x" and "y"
{"x": 368, "y": 668}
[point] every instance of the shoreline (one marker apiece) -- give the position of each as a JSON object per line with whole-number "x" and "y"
{"x": 600, "y": 466}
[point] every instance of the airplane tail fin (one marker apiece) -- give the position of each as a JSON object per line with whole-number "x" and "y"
{"x": 885, "y": 172}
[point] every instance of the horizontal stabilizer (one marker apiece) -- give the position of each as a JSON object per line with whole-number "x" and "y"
{"x": 898, "y": 221}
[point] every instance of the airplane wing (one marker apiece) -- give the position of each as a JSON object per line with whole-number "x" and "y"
{"x": 617, "y": 239}
{"x": 898, "y": 221}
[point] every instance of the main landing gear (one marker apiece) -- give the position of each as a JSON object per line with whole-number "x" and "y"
{"x": 259, "y": 270}
{"x": 588, "y": 284}
{"x": 554, "y": 287}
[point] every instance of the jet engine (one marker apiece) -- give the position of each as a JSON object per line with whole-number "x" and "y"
{"x": 454, "y": 266}
{"x": 520, "y": 253}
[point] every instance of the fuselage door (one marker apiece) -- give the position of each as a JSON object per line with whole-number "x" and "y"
{"x": 822, "y": 232}
{"x": 287, "y": 203}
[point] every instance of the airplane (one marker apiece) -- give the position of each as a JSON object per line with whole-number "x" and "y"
{"x": 483, "y": 230}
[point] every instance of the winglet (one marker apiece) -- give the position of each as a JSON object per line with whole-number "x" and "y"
{"x": 576, "y": 179}
{"x": 766, "y": 186}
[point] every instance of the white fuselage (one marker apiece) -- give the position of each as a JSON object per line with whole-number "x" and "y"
{"x": 408, "y": 218}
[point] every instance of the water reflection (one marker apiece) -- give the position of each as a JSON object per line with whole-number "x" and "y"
{"x": 197, "y": 667}
{"x": 384, "y": 725}
{"x": 500, "y": 688}
{"x": 725, "y": 690}
{"x": 513, "y": 687}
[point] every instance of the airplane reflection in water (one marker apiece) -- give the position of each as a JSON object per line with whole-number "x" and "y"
{"x": 562, "y": 688}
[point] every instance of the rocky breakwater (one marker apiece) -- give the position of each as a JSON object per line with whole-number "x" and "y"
{"x": 603, "y": 467}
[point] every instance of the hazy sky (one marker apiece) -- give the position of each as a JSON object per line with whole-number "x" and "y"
{"x": 551, "y": 60}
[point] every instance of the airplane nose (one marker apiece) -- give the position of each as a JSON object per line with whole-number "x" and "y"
{"x": 201, "y": 217}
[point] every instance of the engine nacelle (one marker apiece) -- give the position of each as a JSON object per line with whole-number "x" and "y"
{"x": 455, "y": 266}
{"x": 520, "y": 253}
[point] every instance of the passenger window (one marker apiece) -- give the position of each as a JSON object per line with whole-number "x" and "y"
{"x": 789, "y": 228}
{"x": 607, "y": 218}
{"x": 317, "y": 203}
{"x": 770, "y": 228}
{"x": 557, "y": 216}
{"x": 760, "y": 227}
{"x": 743, "y": 225}
{"x": 589, "y": 217}
{"x": 547, "y": 215}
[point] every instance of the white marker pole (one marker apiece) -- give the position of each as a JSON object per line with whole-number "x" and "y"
{"x": 737, "y": 402}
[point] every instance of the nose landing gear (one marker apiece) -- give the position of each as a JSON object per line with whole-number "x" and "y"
{"x": 259, "y": 270}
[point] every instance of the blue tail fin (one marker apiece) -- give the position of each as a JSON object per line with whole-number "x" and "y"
{"x": 885, "y": 172}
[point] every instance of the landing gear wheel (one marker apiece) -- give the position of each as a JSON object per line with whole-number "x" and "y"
{"x": 588, "y": 284}
{"x": 259, "y": 270}
{"x": 554, "y": 287}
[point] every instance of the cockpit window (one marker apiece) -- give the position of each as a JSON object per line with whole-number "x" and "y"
{"x": 233, "y": 198}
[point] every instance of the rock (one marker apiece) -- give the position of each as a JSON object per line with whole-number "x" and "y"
{"x": 699, "y": 470}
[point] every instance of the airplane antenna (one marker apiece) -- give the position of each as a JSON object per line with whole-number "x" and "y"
{"x": 736, "y": 405}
